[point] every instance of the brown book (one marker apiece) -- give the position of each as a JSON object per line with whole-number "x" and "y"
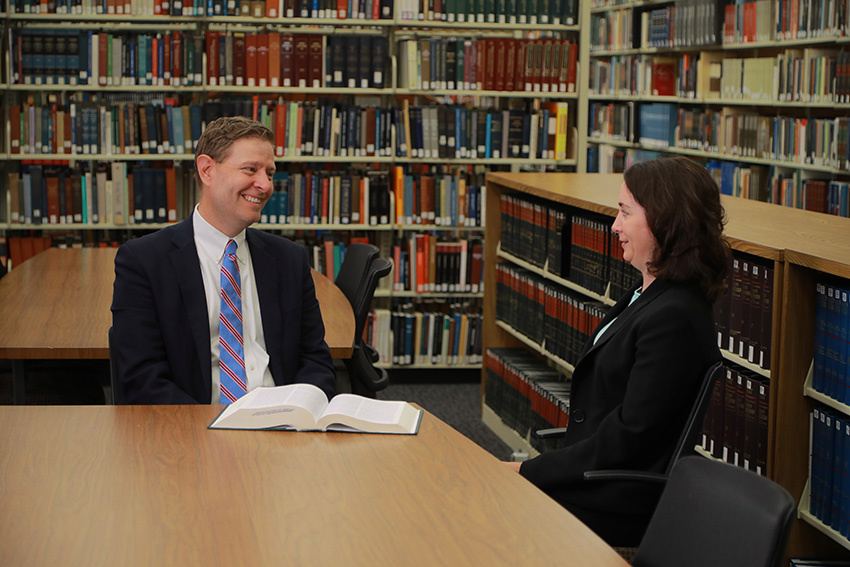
{"x": 315, "y": 63}
{"x": 263, "y": 59}
{"x": 302, "y": 60}
{"x": 131, "y": 203}
{"x": 426, "y": 195}
{"x": 171, "y": 194}
{"x": 67, "y": 187}
{"x": 287, "y": 60}
{"x": 274, "y": 59}
{"x": 143, "y": 130}
{"x": 239, "y": 59}
{"x": 15, "y": 128}
{"x": 251, "y": 60}
{"x": 212, "y": 58}
{"x": 51, "y": 181}
{"x": 729, "y": 404}
{"x": 476, "y": 263}
{"x": 103, "y": 61}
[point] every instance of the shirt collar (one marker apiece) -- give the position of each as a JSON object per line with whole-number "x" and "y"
{"x": 214, "y": 241}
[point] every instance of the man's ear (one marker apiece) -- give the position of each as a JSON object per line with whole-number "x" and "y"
{"x": 205, "y": 165}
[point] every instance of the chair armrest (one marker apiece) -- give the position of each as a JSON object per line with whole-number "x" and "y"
{"x": 550, "y": 433}
{"x": 637, "y": 476}
{"x": 370, "y": 352}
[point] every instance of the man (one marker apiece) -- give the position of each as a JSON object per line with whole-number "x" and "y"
{"x": 207, "y": 309}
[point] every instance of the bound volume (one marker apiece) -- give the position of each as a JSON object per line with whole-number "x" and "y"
{"x": 304, "y": 407}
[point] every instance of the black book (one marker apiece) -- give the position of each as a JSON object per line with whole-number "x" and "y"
{"x": 515, "y": 132}
{"x": 337, "y": 49}
{"x": 64, "y": 206}
{"x": 39, "y": 202}
{"x": 160, "y": 196}
{"x": 496, "y": 150}
{"x": 451, "y": 47}
{"x": 379, "y": 61}
{"x": 352, "y": 61}
{"x": 364, "y": 62}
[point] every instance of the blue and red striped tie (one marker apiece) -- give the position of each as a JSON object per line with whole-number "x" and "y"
{"x": 231, "y": 358}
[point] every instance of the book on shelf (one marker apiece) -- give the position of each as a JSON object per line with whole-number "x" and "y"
{"x": 829, "y": 449}
{"x": 831, "y": 363}
{"x": 736, "y": 422}
{"x": 305, "y": 407}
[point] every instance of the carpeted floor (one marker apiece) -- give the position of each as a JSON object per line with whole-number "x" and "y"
{"x": 455, "y": 399}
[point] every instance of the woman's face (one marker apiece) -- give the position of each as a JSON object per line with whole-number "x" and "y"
{"x": 631, "y": 227}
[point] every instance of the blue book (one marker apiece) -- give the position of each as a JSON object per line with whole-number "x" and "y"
{"x": 843, "y": 298}
{"x": 816, "y": 464}
{"x": 821, "y": 314}
{"x": 179, "y": 136}
{"x": 168, "y": 141}
{"x": 838, "y": 469}
{"x": 409, "y": 321}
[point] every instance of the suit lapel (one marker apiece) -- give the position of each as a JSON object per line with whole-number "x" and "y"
{"x": 625, "y": 312}
{"x": 268, "y": 287}
{"x": 187, "y": 268}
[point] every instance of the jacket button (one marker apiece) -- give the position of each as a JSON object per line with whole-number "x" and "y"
{"x": 577, "y": 416}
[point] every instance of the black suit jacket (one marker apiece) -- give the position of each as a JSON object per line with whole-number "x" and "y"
{"x": 630, "y": 397}
{"x": 161, "y": 334}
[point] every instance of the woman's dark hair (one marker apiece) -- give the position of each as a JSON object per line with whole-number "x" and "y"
{"x": 684, "y": 213}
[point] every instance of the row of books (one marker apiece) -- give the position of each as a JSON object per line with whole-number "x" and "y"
{"x": 176, "y": 57}
{"x": 526, "y": 394}
{"x": 736, "y": 421}
{"x": 793, "y": 75}
{"x": 766, "y": 20}
{"x": 267, "y": 9}
{"x": 464, "y": 132}
{"x": 327, "y": 252}
{"x": 684, "y": 23}
{"x": 448, "y": 335}
{"x": 605, "y": 158}
{"x": 18, "y": 249}
{"x": 570, "y": 243}
{"x": 554, "y": 12}
{"x": 439, "y": 196}
{"x": 549, "y": 315}
{"x": 427, "y": 263}
{"x": 329, "y": 197}
{"x": 321, "y": 128}
{"x": 490, "y": 64}
{"x": 111, "y": 193}
{"x": 831, "y": 372}
{"x": 744, "y": 314}
{"x": 829, "y": 481}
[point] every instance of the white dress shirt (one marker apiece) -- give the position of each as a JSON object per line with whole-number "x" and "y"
{"x": 211, "y": 243}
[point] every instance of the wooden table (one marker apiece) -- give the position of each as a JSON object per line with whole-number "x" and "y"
{"x": 56, "y": 306}
{"x": 150, "y": 485}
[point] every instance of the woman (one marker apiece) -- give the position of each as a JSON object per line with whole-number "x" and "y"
{"x": 639, "y": 374}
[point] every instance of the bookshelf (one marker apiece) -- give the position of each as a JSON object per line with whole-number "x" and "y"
{"x": 207, "y": 81}
{"x": 801, "y": 246}
{"x": 730, "y": 85}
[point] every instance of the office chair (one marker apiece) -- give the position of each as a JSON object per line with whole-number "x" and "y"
{"x": 362, "y": 267}
{"x": 713, "y": 513}
{"x": 117, "y": 389}
{"x": 684, "y": 446}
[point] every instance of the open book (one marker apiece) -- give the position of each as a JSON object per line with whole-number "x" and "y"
{"x": 305, "y": 407}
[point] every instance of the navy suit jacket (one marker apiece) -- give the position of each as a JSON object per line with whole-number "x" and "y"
{"x": 630, "y": 397}
{"x": 161, "y": 334}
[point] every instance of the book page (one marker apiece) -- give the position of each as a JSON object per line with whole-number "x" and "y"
{"x": 305, "y": 396}
{"x": 365, "y": 409}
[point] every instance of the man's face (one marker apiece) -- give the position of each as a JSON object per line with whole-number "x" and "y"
{"x": 236, "y": 189}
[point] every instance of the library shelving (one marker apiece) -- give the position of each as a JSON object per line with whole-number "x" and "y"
{"x": 801, "y": 247}
{"x": 99, "y": 93}
{"x": 755, "y": 90}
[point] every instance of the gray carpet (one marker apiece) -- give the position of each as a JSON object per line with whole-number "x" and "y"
{"x": 458, "y": 403}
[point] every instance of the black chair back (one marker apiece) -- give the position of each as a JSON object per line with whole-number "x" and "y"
{"x": 116, "y": 386}
{"x": 693, "y": 426}
{"x": 712, "y": 513}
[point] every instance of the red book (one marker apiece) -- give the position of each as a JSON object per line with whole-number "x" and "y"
{"x": 325, "y": 212}
{"x": 212, "y": 58}
{"x": 302, "y": 60}
{"x": 488, "y": 81}
{"x": 177, "y": 57}
{"x": 571, "y": 68}
{"x": 171, "y": 194}
{"x": 239, "y": 59}
{"x": 420, "y": 263}
{"x": 342, "y": 9}
{"x": 251, "y": 56}
{"x": 315, "y": 62}
{"x": 663, "y": 76}
{"x": 272, "y": 9}
{"x": 287, "y": 60}
{"x": 500, "y": 64}
{"x": 274, "y": 59}
{"x": 279, "y": 128}
{"x": 166, "y": 58}
{"x": 103, "y": 45}
{"x": 263, "y": 59}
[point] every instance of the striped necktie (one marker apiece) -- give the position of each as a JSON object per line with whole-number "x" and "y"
{"x": 231, "y": 348}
